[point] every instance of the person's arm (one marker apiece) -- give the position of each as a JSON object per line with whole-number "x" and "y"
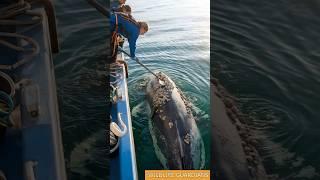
{"x": 132, "y": 46}
{"x": 103, "y": 10}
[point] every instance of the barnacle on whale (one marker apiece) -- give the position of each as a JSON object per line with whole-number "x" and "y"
{"x": 174, "y": 120}
{"x": 242, "y": 126}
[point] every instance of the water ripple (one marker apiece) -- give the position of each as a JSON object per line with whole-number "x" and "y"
{"x": 265, "y": 52}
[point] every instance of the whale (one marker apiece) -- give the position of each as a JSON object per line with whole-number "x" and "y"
{"x": 234, "y": 149}
{"x": 177, "y": 141}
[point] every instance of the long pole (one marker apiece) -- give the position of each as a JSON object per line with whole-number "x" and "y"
{"x": 103, "y": 10}
{"x": 138, "y": 61}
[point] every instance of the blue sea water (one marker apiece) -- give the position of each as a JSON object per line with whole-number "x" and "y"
{"x": 266, "y": 53}
{"x": 80, "y": 69}
{"x": 177, "y": 44}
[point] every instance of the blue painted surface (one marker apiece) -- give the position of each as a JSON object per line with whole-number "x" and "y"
{"x": 123, "y": 163}
{"x": 11, "y": 155}
{"x": 39, "y": 139}
{"x": 37, "y": 146}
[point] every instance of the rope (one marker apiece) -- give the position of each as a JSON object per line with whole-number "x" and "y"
{"x": 8, "y": 17}
{"x": 33, "y": 20}
{"x": 114, "y": 142}
{"x": 34, "y": 50}
{"x": 6, "y": 107}
{"x": 114, "y": 39}
{"x": 15, "y": 9}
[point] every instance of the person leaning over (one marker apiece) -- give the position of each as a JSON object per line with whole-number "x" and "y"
{"x": 127, "y": 27}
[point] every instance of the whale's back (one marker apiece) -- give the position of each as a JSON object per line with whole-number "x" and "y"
{"x": 175, "y": 134}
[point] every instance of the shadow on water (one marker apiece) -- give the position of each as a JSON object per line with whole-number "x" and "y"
{"x": 266, "y": 54}
{"x": 80, "y": 70}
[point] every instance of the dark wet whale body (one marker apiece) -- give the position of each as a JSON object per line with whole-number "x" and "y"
{"x": 175, "y": 135}
{"x": 233, "y": 145}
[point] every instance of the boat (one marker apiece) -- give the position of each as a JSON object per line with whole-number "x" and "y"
{"x": 30, "y": 135}
{"x": 122, "y": 159}
{"x": 122, "y": 150}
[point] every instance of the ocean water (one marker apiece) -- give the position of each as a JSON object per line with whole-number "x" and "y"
{"x": 177, "y": 44}
{"x": 266, "y": 53}
{"x": 80, "y": 70}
